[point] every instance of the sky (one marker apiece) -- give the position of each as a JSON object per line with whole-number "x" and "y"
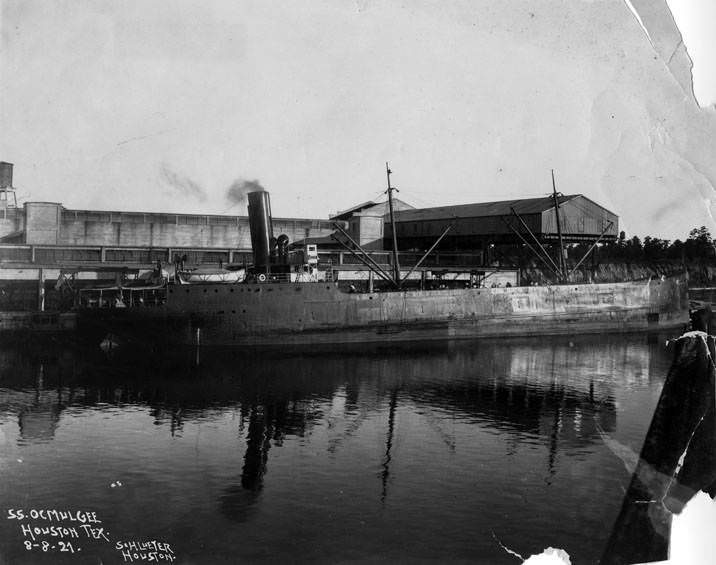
{"x": 168, "y": 105}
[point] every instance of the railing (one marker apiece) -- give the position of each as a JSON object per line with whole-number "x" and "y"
{"x": 407, "y": 258}
{"x": 317, "y": 276}
{"x": 125, "y": 297}
{"x": 69, "y": 254}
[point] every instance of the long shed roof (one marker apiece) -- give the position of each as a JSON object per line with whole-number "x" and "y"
{"x": 345, "y": 214}
{"x": 483, "y": 209}
{"x": 380, "y": 207}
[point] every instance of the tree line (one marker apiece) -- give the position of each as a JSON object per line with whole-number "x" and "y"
{"x": 699, "y": 245}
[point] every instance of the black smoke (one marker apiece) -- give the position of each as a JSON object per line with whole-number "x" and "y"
{"x": 236, "y": 193}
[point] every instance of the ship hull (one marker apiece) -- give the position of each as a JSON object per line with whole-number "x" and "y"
{"x": 320, "y": 313}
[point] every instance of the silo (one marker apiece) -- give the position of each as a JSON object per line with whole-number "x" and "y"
{"x": 5, "y": 175}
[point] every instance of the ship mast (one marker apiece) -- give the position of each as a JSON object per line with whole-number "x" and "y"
{"x": 396, "y": 265}
{"x": 562, "y": 266}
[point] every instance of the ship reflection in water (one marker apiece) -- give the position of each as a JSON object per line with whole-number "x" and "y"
{"x": 430, "y": 453}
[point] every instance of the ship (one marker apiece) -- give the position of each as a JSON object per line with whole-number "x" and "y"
{"x": 285, "y": 299}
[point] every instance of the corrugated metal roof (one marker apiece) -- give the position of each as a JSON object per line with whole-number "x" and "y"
{"x": 344, "y": 214}
{"x": 483, "y": 209}
{"x": 369, "y": 207}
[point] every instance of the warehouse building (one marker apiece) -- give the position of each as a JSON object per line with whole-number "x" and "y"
{"x": 475, "y": 227}
{"x": 366, "y": 221}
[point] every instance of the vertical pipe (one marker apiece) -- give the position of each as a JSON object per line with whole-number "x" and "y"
{"x": 260, "y": 227}
{"x": 41, "y": 290}
{"x": 396, "y": 265}
{"x": 559, "y": 228}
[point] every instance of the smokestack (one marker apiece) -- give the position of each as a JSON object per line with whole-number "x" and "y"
{"x": 5, "y": 175}
{"x": 260, "y": 227}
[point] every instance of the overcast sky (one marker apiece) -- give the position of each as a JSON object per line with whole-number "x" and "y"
{"x": 163, "y": 105}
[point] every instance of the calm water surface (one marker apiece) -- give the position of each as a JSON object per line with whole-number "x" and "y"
{"x": 421, "y": 454}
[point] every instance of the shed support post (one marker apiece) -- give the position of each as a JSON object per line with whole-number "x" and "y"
{"x": 40, "y": 290}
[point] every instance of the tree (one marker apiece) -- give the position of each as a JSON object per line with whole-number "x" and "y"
{"x": 655, "y": 248}
{"x": 676, "y": 250}
{"x": 633, "y": 249}
{"x": 700, "y": 244}
{"x": 701, "y": 234}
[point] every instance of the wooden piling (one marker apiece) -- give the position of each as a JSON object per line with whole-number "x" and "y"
{"x": 678, "y": 457}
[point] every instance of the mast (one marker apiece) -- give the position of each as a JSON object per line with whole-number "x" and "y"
{"x": 396, "y": 265}
{"x": 562, "y": 266}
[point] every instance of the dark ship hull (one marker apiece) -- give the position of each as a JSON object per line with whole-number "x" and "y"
{"x": 320, "y": 313}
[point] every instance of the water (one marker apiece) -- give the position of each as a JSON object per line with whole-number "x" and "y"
{"x": 422, "y": 454}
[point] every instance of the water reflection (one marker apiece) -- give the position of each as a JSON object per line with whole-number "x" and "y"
{"x": 540, "y": 390}
{"x": 388, "y": 424}
{"x": 385, "y": 474}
